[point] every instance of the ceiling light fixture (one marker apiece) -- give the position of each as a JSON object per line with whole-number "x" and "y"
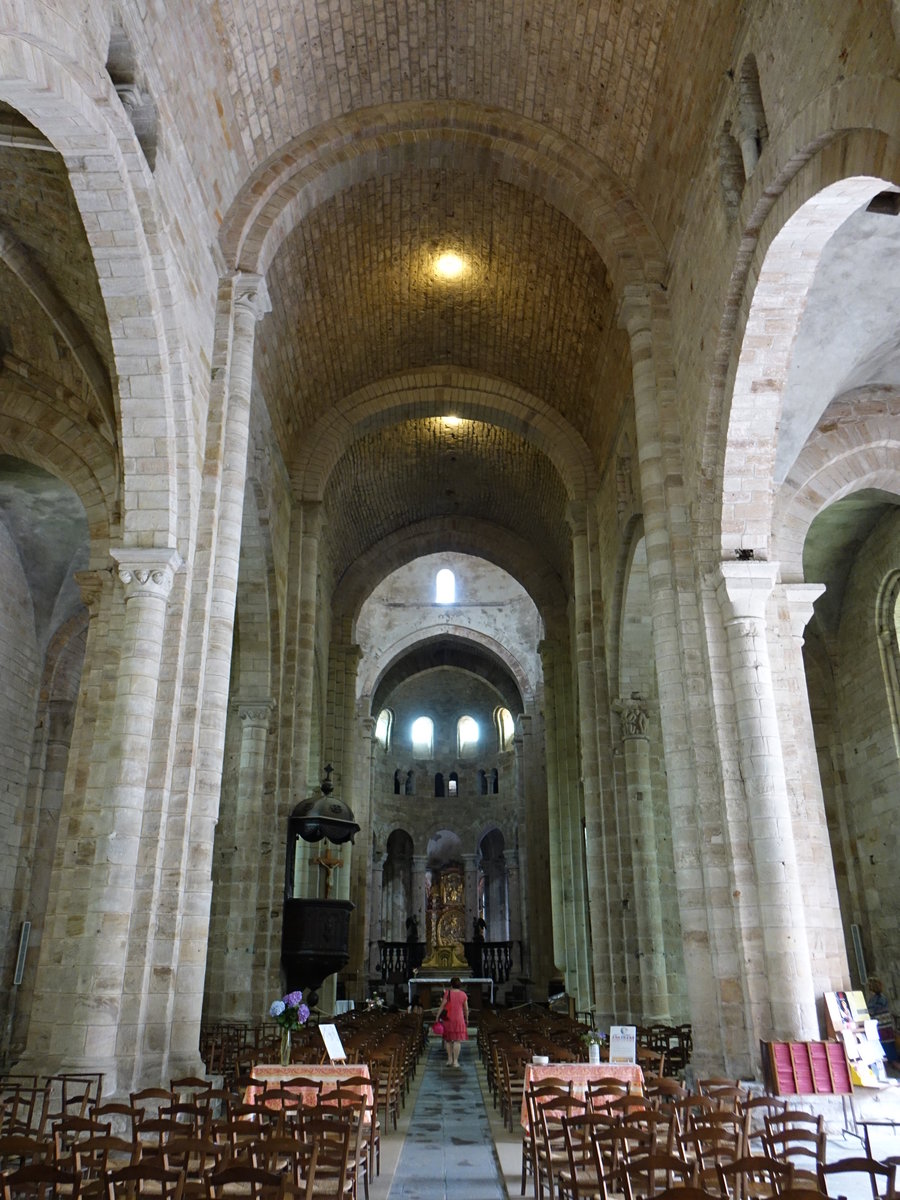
{"x": 449, "y": 265}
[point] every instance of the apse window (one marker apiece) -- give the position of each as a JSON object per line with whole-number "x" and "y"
{"x": 506, "y": 728}
{"x": 423, "y": 737}
{"x": 467, "y": 734}
{"x": 383, "y": 728}
{"x": 445, "y": 587}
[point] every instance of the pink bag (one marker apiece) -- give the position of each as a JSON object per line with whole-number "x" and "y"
{"x": 438, "y": 1028}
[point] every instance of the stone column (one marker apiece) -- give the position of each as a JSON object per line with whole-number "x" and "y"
{"x": 784, "y": 1002}
{"x": 531, "y": 782}
{"x": 470, "y": 871}
{"x": 514, "y": 904}
{"x": 712, "y": 949}
{"x": 173, "y": 985}
{"x": 567, "y": 861}
{"x": 645, "y": 865}
{"x": 310, "y": 515}
{"x": 241, "y": 926}
{"x": 815, "y": 857}
{"x": 590, "y": 849}
{"x": 363, "y": 884}
{"x": 85, "y": 1016}
{"x": 376, "y": 928}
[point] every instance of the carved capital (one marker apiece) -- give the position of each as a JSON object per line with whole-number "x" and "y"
{"x": 148, "y": 573}
{"x": 634, "y": 715}
{"x": 744, "y": 587}
{"x": 801, "y": 599}
{"x": 255, "y": 714}
{"x": 251, "y": 296}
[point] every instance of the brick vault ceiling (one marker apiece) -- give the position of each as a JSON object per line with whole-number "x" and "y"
{"x": 355, "y": 297}
{"x": 395, "y": 476}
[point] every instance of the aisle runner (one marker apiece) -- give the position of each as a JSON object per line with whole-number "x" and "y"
{"x": 448, "y": 1153}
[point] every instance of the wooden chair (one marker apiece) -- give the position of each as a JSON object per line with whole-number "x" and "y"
{"x": 332, "y": 1140}
{"x": 754, "y": 1177}
{"x": 41, "y": 1181}
{"x": 97, "y": 1156}
{"x": 18, "y": 1150}
{"x": 882, "y": 1177}
{"x": 755, "y": 1109}
{"x": 600, "y": 1093}
{"x": 798, "y": 1138}
{"x": 359, "y": 1085}
{"x": 583, "y": 1176}
{"x": 551, "y": 1152}
{"x": 709, "y": 1148}
{"x": 143, "y": 1179}
{"x": 546, "y": 1091}
{"x": 645, "y": 1175}
{"x": 244, "y": 1180}
{"x": 195, "y": 1158}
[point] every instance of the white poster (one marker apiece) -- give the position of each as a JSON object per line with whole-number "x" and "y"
{"x": 333, "y": 1044}
{"x": 622, "y": 1043}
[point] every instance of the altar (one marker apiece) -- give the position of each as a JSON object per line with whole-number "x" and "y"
{"x": 420, "y": 982}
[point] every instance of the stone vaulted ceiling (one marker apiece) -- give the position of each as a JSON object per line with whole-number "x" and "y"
{"x": 355, "y": 300}
{"x": 545, "y": 141}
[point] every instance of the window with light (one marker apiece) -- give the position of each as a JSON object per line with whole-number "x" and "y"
{"x": 422, "y": 737}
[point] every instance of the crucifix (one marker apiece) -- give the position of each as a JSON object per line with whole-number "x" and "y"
{"x": 328, "y": 865}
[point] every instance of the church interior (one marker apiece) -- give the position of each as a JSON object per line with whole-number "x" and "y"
{"x": 488, "y": 412}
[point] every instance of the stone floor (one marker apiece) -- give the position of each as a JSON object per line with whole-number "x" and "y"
{"x": 452, "y": 1145}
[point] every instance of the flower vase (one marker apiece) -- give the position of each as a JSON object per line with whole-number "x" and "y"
{"x": 285, "y": 1056}
{"x": 594, "y": 1052}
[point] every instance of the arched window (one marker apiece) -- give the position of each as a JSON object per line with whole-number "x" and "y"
{"x": 439, "y": 785}
{"x": 453, "y": 784}
{"x": 445, "y": 587}
{"x": 495, "y": 782}
{"x": 506, "y": 728}
{"x": 466, "y": 734}
{"x": 422, "y": 733}
{"x": 482, "y": 783}
{"x": 397, "y": 783}
{"x": 383, "y": 728}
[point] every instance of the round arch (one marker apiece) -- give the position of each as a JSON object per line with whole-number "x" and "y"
{"x": 866, "y": 455}
{"x": 433, "y": 392}
{"x": 380, "y": 140}
{"x": 41, "y": 80}
{"x": 50, "y": 438}
{"x": 830, "y": 145}
{"x": 520, "y": 559}
{"x": 377, "y": 668}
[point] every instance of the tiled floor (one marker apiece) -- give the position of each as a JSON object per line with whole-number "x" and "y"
{"x": 448, "y": 1152}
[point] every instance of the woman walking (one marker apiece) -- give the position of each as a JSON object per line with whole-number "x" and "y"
{"x": 455, "y": 1007}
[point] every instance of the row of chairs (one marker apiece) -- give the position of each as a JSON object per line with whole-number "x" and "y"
{"x": 613, "y": 1141}
{"x": 325, "y": 1162}
{"x": 280, "y": 1134}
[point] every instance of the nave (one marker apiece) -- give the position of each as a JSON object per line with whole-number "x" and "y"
{"x": 448, "y": 1152}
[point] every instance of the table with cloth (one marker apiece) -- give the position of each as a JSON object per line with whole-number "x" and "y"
{"x": 580, "y": 1075}
{"x": 326, "y": 1073}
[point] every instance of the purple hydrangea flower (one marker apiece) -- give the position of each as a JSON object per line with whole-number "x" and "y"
{"x": 293, "y": 999}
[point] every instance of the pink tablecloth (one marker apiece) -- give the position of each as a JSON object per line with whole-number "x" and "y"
{"x": 327, "y": 1073}
{"x": 580, "y": 1075}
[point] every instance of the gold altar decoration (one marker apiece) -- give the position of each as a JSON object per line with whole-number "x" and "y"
{"x": 445, "y": 922}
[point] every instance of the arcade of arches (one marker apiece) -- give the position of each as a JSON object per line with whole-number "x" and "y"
{"x": 646, "y": 412}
